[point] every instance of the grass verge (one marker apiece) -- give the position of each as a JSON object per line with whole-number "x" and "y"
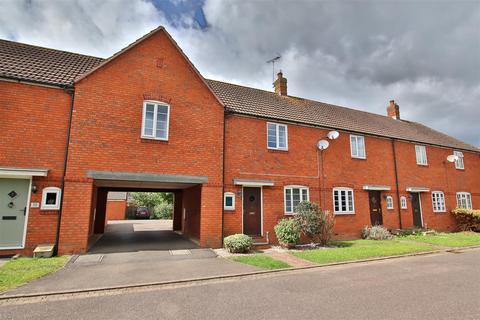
{"x": 361, "y": 249}
{"x": 458, "y": 239}
{"x": 22, "y": 270}
{"x": 261, "y": 261}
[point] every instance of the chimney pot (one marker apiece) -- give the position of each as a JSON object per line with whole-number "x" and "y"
{"x": 393, "y": 110}
{"x": 280, "y": 84}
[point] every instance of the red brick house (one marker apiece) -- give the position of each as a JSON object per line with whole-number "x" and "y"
{"x": 237, "y": 159}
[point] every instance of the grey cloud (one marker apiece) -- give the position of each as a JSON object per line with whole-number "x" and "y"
{"x": 424, "y": 54}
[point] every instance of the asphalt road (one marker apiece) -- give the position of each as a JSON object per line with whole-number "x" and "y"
{"x": 441, "y": 286}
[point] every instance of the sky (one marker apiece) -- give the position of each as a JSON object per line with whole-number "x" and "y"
{"x": 423, "y": 54}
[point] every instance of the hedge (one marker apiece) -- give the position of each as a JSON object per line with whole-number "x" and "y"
{"x": 467, "y": 219}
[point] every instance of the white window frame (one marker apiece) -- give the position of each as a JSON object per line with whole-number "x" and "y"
{"x": 339, "y": 212}
{"x": 464, "y": 196}
{"x": 354, "y": 140}
{"x": 421, "y": 155}
{"x": 389, "y": 200}
{"x": 459, "y": 164}
{"x": 403, "y": 202}
{"x": 303, "y": 190}
{"x": 55, "y": 206}
{"x": 438, "y": 201}
{"x": 225, "y": 195}
{"x": 154, "y": 128}
{"x": 277, "y": 135}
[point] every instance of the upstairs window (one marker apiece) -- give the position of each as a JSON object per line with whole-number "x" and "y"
{"x": 155, "y": 120}
{"x": 51, "y": 198}
{"x": 464, "y": 200}
{"x": 438, "y": 201}
{"x": 293, "y": 196}
{"x": 403, "y": 202}
{"x": 459, "y": 162}
{"x": 421, "y": 154}
{"x": 357, "y": 146}
{"x": 277, "y": 136}
{"x": 343, "y": 201}
{"x": 389, "y": 202}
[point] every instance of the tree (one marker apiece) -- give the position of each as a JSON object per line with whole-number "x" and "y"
{"x": 151, "y": 199}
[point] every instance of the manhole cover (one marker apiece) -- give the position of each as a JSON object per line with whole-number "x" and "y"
{"x": 179, "y": 252}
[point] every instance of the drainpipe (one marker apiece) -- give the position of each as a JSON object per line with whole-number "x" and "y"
{"x": 226, "y": 112}
{"x": 70, "y": 90}
{"x": 396, "y": 184}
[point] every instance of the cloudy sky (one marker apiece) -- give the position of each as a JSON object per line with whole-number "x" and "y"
{"x": 361, "y": 54}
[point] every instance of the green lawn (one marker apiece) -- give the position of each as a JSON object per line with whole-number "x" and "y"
{"x": 22, "y": 270}
{"x": 361, "y": 249}
{"x": 459, "y": 239}
{"x": 261, "y": 261}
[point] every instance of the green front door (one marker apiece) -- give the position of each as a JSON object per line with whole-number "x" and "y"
{"x": 13, "y": 210}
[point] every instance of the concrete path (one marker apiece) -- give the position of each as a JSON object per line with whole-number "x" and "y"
{"x": 440, "y": 286}
{"x": 290, "y": 259}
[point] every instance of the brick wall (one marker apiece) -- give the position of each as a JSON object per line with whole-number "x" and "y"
{"x": 107, "y": 120}
{"x": 247, "y": 157}
{"x": 34, "y": 125}
{"x": 115, "y": 210}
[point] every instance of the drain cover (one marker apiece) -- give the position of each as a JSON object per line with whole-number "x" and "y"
{"x": 89, "y": 258}
{"x": 179, "y": 252}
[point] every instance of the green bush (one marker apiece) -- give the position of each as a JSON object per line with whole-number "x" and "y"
{"x": 288, "y": 231}
{"x": 467, "y": 219}
{"x": 314, "y": 223}
{"x": 163, "y": 211}
{"x": 238, "y": 243}
{"x": 376, "y": 233}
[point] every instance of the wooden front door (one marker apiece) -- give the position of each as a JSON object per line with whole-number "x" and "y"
{"x": 416, "y": 210}
{"x": 375, "y": 208}
{"x": 252, "y": 211}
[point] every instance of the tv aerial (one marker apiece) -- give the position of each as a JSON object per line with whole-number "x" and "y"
{"x": 272, "y": 61}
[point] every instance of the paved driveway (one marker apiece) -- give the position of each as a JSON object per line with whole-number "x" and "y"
{"x": 135, "y": 252}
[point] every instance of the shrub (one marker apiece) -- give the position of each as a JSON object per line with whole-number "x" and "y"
{"x": 467, "y": 219}
{"x": 288, "y": 231}
{"x": 238, "y": 243}
{"x": 163, "y": 211}
{"x": 376, "y": 233}
{"x": 314, "y": 223}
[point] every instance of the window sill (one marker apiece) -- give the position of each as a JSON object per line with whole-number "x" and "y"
{"x": 439, "y": 211}
{"x": 422, "y": 165}
{"x": 229, "y": 210}
{"x": 152, "y": 140}
{"x": 277, "y": 150}
{"x": 46, "y": 210}
{"x": 288, "y": 214}
{"x": 359, "y": 158}
{"x": 344, "y": 213}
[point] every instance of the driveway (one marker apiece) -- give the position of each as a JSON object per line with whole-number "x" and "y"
{"x": 135, "y": 252}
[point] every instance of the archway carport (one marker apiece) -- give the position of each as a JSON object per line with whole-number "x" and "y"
{"x": 122, "y": 238}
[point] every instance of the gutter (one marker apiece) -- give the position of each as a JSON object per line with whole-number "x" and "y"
{"x": 396, "y": 184}
{"x": 70, "y": 90}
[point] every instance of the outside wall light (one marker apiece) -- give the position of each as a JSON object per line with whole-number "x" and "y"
{"x": 34, "y": 188}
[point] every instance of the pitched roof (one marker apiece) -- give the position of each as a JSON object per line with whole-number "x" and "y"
{"x": 37, "y": 64}
{"x": 266, "y": 104}
{"x": 49, "y": 66}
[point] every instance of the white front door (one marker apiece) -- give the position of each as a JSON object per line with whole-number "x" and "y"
{"x": 14, "y": 195}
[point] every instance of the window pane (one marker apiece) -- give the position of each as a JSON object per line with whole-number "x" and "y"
{"x": 148, "y": 121}
{"x": 350, "y": 200}
{"x": 228, "y": 201}
{"x": 272, "y": 135}
{"x": 343, "y": 200}
{"x": 282, "y": 137}
{"x": 353, "y": 146}
{"x": 161, "y": 125}
{"x": 336, "y": 200}
{"x": 295, "y": 197}
{"x": 361, "y": 147}
{"x": 288, "y": 200}
{"x": 51, "y": 198}
{"x": 304, "y": 195}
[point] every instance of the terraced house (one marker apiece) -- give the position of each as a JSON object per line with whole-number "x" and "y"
{"x": 237, "y": 159}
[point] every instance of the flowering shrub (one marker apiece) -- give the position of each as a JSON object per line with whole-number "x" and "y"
{"x": 376, "y": 233}
{"x": 467, "y": 219}
{"x": 288, "y": 231}
{"x": 314, "y": 223}
{"x": 238, "y": 243}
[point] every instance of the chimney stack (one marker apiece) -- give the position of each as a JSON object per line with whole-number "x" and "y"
{"x": 393, "y": 110}
{"x": 280, "y": 84}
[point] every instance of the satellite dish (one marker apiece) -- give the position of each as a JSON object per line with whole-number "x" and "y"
{"x": 452, "y": 158}
{"x": 332, "y": 135}
{"x": 322, "y": 144}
